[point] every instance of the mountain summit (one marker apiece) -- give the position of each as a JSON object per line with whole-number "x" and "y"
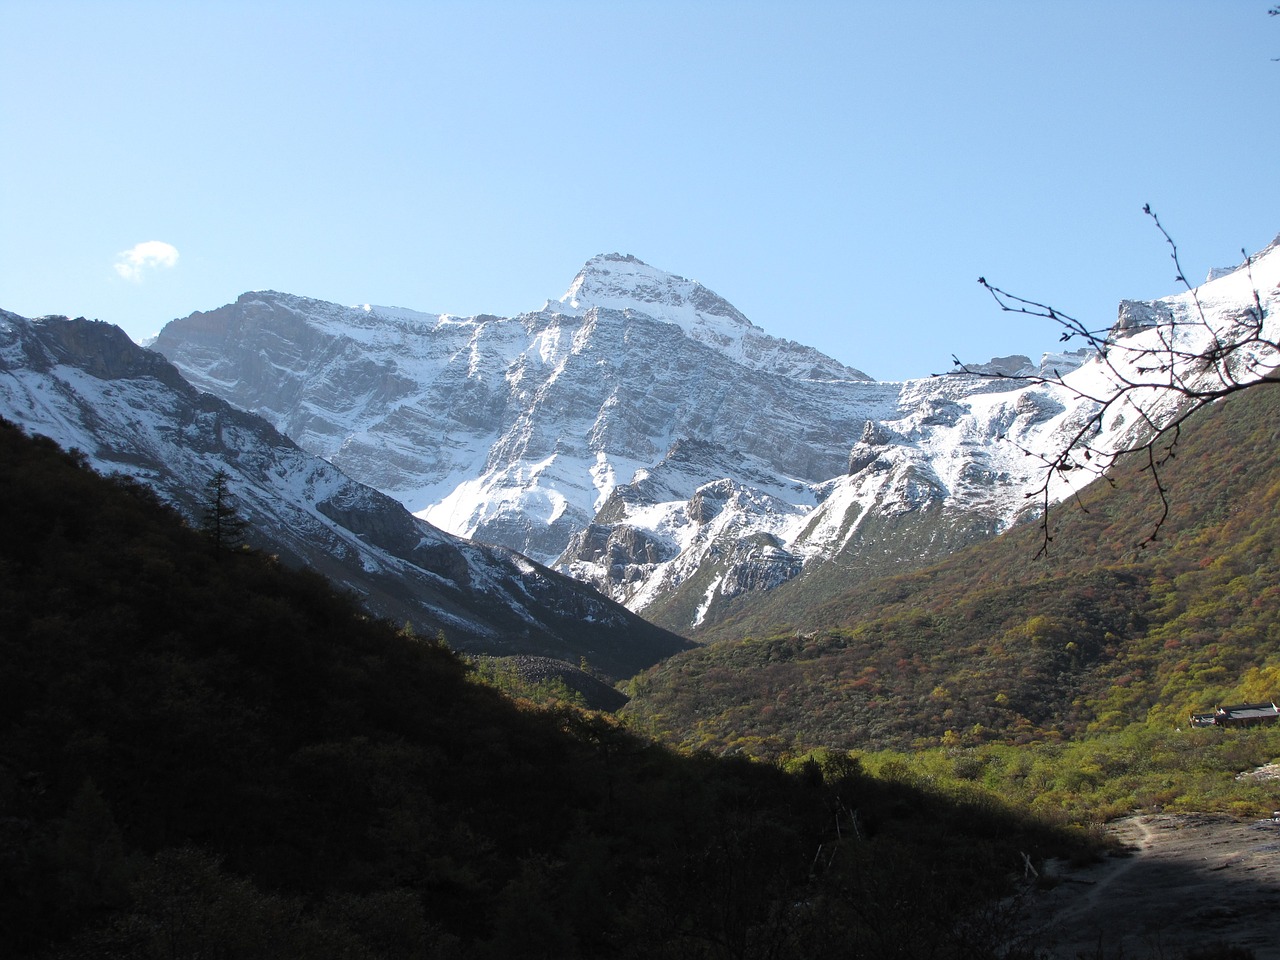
{"x": 623, "y": 283}
{"x": 620, "y": 281}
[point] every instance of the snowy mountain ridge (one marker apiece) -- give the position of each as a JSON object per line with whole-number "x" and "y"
{"x": 642, "y": 435}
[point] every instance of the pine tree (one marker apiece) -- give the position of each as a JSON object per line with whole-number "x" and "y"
{"x": 222, "y": 524}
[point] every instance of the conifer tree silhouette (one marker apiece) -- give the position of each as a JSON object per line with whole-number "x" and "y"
{"x": 222, "y": 524}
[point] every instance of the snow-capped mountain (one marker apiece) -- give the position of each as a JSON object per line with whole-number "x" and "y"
{"x": 641, "y": 434}
{"x": 87, "y": 386}
{"x": 517, "y": 431}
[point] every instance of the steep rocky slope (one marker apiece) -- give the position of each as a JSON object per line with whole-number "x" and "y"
{"x": 86, "y": 385}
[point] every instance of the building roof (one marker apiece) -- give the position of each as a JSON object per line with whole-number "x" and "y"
{"x": 1248, "y": 711}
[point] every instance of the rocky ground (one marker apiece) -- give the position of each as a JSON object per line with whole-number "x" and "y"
{"x": 1183, "y": 882}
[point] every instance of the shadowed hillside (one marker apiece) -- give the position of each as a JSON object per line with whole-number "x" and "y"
{"x": 203, "y": 753}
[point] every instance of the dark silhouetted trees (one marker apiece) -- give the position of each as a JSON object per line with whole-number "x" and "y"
{"x": 221, "y": 522}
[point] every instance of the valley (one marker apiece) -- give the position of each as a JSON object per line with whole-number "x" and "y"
{"x": 639, "y": 481}
{"x": 699, "y": 570}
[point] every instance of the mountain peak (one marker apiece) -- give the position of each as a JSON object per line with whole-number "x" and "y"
{"x": 620, "y": 281}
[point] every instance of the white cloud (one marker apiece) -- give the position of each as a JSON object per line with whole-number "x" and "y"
{"x": 149, "y": 255}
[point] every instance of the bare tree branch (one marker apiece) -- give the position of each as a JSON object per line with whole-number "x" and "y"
{"x": 1153, "y": 379}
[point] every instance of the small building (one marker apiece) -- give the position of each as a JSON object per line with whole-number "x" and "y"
{"x": 1203, "y": 720}
{"x": 1246, "y": 714}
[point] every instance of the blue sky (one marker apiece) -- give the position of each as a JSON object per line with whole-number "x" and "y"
{"x": 841, "y": 172}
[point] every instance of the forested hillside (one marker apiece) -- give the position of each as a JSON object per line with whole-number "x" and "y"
{"x": 995, "y": 645}
{"x": 203, "y": 753}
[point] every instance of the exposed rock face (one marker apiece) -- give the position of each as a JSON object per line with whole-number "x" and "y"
{"x": 1019, "y": 367}
{"x": 1136, "y": 315}
{"x": 759, "y": 563}
{"x": 1012, "y": 366}
{"x": 87, "y": 385}
{"x": 1036, "y": 408}
{"x": 1059, "y": 364}
{"x": 867, "y": 450}
{"x": 619, "y": 548}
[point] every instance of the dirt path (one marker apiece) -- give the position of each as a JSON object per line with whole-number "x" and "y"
{"x": 1189, "y": 880}
{"x": 1083, "y": 906}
